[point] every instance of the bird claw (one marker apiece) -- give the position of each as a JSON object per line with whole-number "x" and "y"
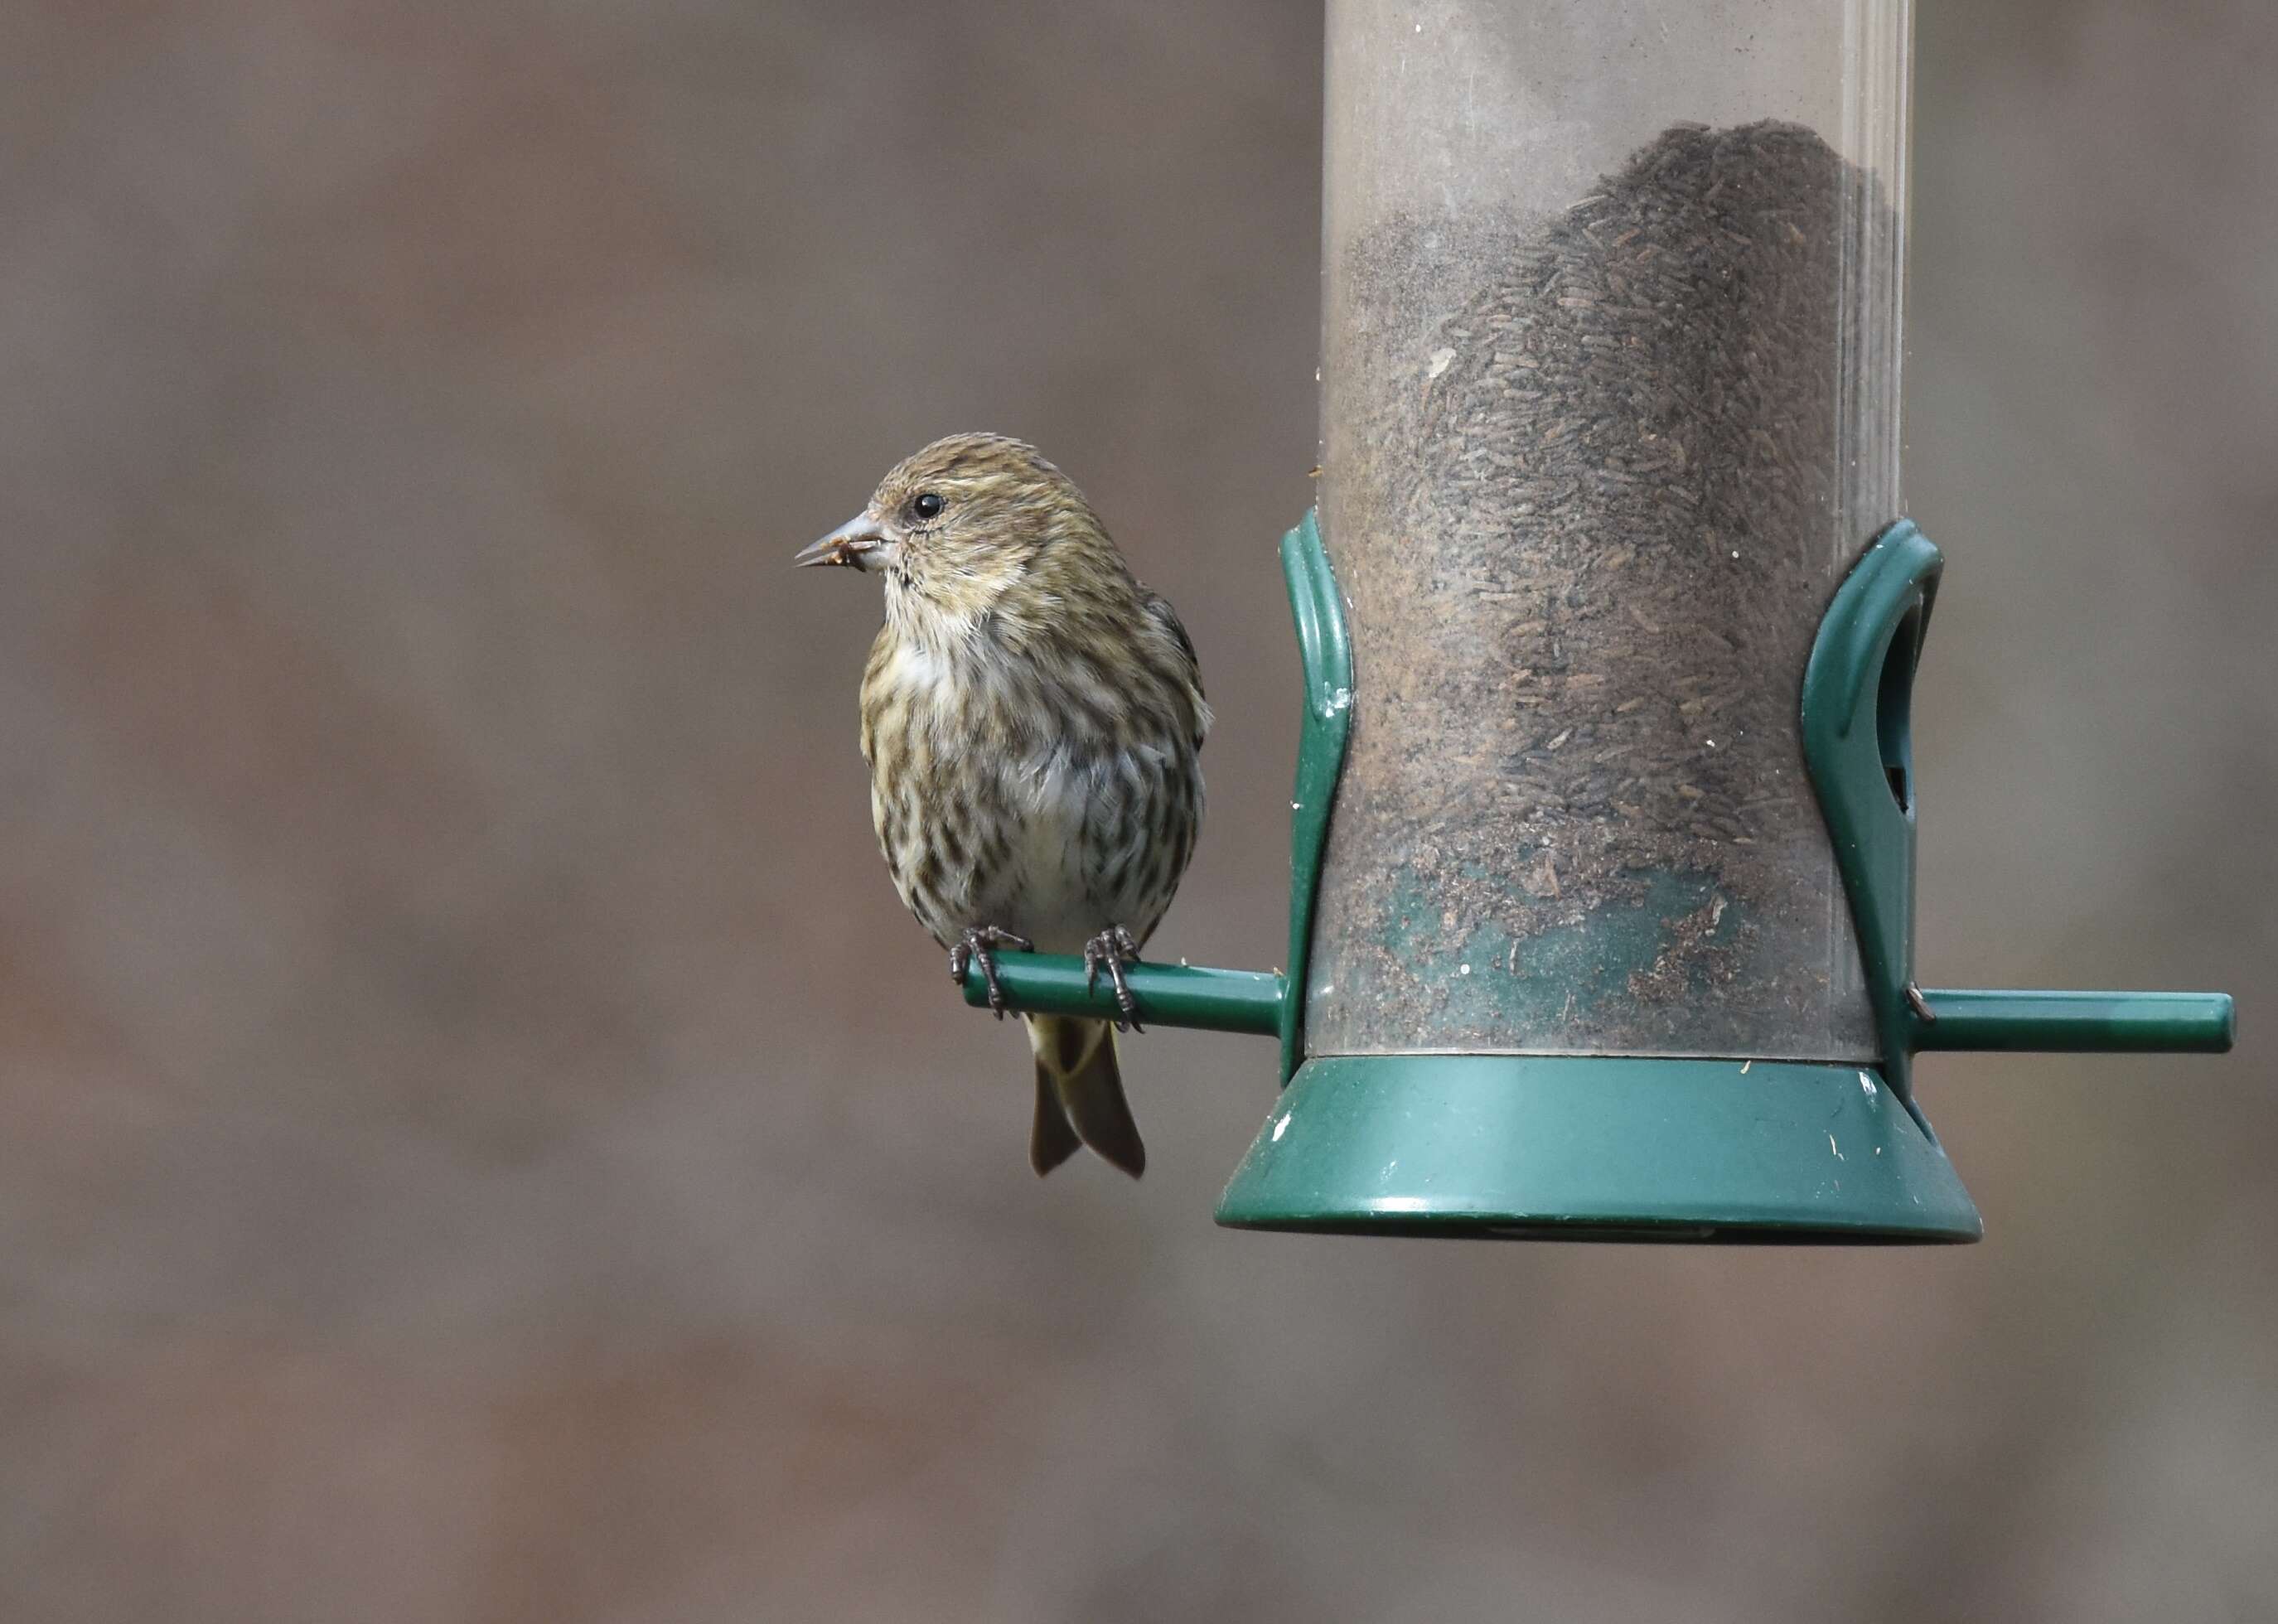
{"x": 1114, "y": 947}
{"x": 976, "y": 944}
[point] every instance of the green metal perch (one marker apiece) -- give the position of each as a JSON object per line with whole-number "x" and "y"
{"x": 1964, "y": 1021}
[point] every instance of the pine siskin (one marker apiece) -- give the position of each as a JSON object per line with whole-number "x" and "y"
{"x": 1032, "y": 716}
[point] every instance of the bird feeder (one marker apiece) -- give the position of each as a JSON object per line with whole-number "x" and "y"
{"x": 1603, "y": 844}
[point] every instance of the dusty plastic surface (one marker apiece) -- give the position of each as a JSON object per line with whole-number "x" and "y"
{"x": 1610, "y": 392}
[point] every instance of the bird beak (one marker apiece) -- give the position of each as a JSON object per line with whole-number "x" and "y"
{"x": 847, "y": 545}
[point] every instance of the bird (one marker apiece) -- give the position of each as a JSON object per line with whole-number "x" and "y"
{"x": 1032, "y": 717}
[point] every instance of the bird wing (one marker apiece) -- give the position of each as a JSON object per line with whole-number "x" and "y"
{"x": 1160, "y": 611}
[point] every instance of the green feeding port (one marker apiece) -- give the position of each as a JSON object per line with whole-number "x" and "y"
{"x": 1602, "y": 843}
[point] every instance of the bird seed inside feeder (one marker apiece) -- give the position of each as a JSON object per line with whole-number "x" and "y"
{"x": 1589, "y": 519}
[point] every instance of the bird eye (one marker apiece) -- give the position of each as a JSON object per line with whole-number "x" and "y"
{"x": 927, "y": 506}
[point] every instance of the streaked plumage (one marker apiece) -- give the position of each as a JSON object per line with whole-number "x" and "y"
{"x": 1032, "y": 715}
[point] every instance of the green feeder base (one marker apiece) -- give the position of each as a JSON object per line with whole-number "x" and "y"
{"x": 1597, "y": 1148}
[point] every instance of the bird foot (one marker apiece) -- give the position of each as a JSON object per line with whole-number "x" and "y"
{"x": 1112, "y": 948}
{"x": 977, "y": 944}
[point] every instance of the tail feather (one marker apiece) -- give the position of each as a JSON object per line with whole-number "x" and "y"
{"x": 1079, "y": 1083}
{"x": 1051, "y": 1141}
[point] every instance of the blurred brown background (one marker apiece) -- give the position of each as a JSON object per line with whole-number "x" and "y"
{"x": 483, "y": 1142}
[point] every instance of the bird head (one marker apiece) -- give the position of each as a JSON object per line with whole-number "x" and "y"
{"x": 957, "y": 526}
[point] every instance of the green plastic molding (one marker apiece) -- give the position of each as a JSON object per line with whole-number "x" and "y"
{"x": 1620, "y": 1147}
{"x": 1325, "y": 652}
{"x": 1248, "y": 1001}
{"x": 1858, "y": 690}
{"x": 2077, "y": 1023}
{"x": 1596, "y": 1147}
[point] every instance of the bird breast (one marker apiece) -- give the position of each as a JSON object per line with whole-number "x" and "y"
{"x": 1046, "y": 882}
{"x": 995, "y": 805}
